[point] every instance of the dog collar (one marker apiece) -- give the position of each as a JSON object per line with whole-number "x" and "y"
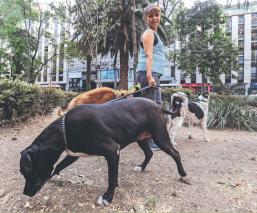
{"x": 64, "y": 132}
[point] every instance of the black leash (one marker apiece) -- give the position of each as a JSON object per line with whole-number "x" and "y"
{"x": 132, "y": 93}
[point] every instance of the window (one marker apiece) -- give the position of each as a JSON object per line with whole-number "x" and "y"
{"x": 254, "y": 74}
{"x": 254, "y": 45}
{"x": 254, "y": 62}
{"x": 241, "y": 73}
{"x": 254, "y": 19}
{"x": 172, "y": 72}
{"x": 193, "y": 78}
{"x": 241, "y": 32}
{"x": 254, "y": 56}
{"x": 183, "y": 78}
{"x": 39, "y": 77}
{"x": 240, "y": 19}
{"x": 241, "y": 59}
{"x": 254, "y": 36}
{"x": 229, "y": 26}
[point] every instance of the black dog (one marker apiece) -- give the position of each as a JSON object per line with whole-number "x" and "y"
{"x": 98, "y": 130}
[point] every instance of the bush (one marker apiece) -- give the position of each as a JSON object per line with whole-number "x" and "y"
{"x": 19, "y": 100}
{"x": 251, "y": 100}
{"x": 232, "y": 112}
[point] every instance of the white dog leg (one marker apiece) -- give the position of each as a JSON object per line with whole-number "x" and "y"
{"x": 190, "y": 129}
{"x": 173, "y": 135}
{"x": 204, "y": 124}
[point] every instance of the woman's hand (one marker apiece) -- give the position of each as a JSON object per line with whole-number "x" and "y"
{"x": 151, "y": 81}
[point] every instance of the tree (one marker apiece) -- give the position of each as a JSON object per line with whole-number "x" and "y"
{"x": 20, "y": 34}
{"x": 120, "y": 34}
{"x": 204, "y": 44}
{"x": 112, "y": 27}
{"x": 90, "y": 24}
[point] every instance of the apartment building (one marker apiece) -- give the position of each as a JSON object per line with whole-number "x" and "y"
{"x": 242, "y": 28}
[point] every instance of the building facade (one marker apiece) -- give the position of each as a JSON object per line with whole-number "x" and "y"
{"x": 242, "y": 28}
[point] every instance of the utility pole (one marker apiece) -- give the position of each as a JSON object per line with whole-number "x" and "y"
{"x": 134, "y": 40}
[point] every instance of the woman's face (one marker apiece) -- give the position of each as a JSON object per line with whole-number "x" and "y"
{"x": 153, "y": 19}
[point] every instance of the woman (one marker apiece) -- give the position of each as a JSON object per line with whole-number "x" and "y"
{"x": 151, "y": 59}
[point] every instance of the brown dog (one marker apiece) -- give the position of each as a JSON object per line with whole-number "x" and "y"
{"x": 95, "y": 96}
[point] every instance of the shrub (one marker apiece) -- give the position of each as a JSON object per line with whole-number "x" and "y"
{"x": 17, "y": 99}
{"x": 232, "y": 112}
{"x": 20, "y": 100}
{"x": 251, "y": 100}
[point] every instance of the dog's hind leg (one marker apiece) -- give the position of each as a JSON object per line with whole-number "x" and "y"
{"x": 160, "y": 136}
{"x": 68, "y": 160}
{"x": 148, "y": 155}
{"x": 190, "y": 125}
{"x": 112, "y": 154}
{"x": 204, "y": 125}
{"x": 168, "y": 148}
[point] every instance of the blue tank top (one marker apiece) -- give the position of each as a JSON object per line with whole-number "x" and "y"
{"x": 158, "y": 64}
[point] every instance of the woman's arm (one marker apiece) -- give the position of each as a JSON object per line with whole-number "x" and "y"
{"x": 148, "y": 41}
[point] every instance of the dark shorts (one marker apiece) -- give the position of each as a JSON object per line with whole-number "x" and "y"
{"x": 153, "y": 93}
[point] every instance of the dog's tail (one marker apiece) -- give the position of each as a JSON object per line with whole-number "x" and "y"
{"x": 173, "y": 114}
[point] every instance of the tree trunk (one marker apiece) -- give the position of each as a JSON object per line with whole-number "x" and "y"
{"x": 123, "y": 69}
{"x": 88, "y": 75}
{"x": 134, "y": 39}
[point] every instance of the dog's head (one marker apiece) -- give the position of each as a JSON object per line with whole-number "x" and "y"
{"x": 35, "y": 172}
{"x": 37, "y": 161}
{"x": 203, "y": 96}
{"x": 178, "y": 100}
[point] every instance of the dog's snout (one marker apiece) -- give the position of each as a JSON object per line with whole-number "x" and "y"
{"x": 29, "y": 191}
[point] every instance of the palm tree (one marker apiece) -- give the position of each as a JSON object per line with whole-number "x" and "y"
{"x": 119, "y": 35}
{"x": 116, "y": 33}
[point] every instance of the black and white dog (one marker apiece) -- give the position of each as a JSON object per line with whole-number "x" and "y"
{"x": 191, "y": 112}
{"x": 101, "y": 130}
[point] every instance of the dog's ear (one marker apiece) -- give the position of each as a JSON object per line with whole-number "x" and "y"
{"x": 176, "y": 103}
{"x": 205, "y": 94}
{"x": 26, "y": 159}
{"x": 25, "y": 162}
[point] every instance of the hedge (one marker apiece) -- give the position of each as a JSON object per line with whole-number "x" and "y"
{"x": 19, "y": 100}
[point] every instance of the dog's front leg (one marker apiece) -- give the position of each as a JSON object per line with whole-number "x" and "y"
{"x": 68, "y": 160}
{"x": 190, "y": 125}
{"x": 112, "y": 155}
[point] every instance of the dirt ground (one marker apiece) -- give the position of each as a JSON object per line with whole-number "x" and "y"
{"x": 223, "y": 173}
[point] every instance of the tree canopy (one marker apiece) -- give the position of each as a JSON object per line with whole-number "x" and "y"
{"x": 23, "y": 24}
{"x": 203, "y": 42}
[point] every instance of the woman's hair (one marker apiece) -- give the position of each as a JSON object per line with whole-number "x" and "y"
{"x": 149, "y": 8}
